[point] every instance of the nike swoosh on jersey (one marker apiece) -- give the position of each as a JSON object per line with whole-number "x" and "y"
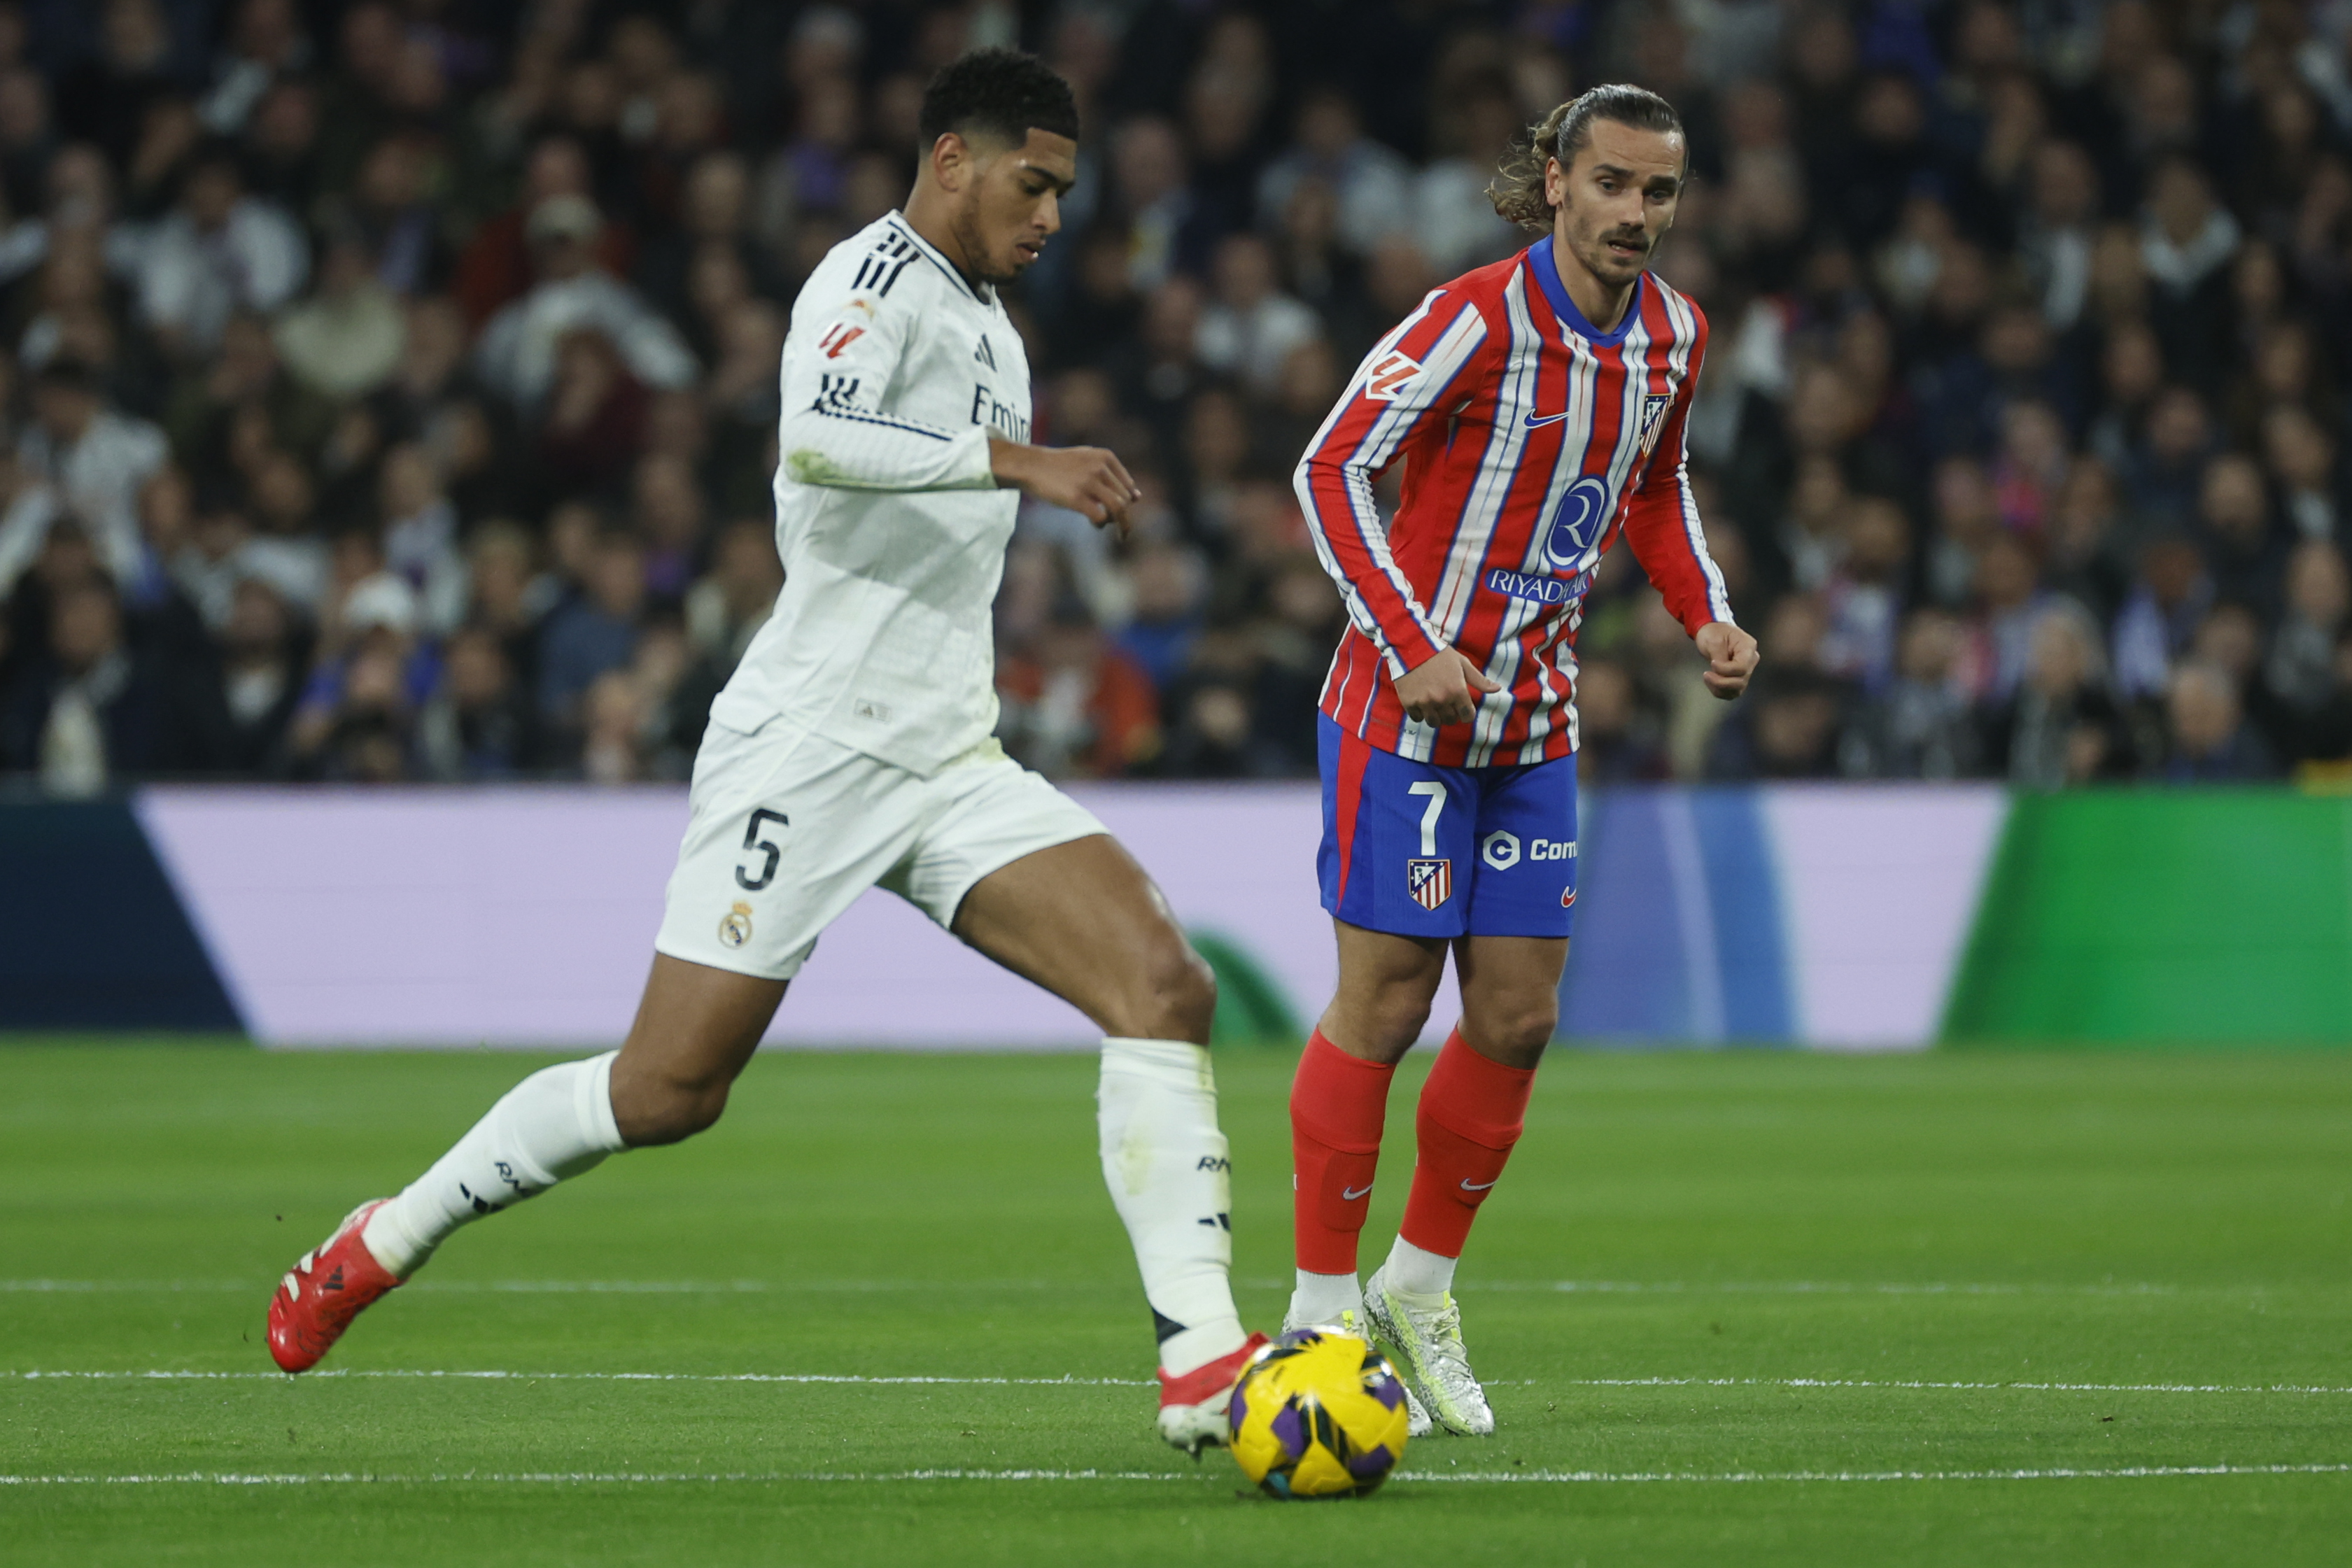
{"x": 1477, "y": 1185}
{"x": 1535, "y": 420}
{"x": 1350, "y": 1194}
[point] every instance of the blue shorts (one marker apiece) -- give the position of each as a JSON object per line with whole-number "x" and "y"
{"x": 1422, "y": 850}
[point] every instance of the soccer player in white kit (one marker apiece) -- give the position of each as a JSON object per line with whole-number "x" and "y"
{"x": 854, "y": 748}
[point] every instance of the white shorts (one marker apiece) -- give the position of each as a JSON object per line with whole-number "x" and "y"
{"x": 787, "y": 829}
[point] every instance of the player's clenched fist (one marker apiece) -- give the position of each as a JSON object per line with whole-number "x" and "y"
{"x": 1730, "y": 658}
{"x": 1437, "y": 690}
{"x": 1089, "y": 480}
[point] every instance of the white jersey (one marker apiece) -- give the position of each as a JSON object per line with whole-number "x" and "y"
{"x": 892, "y": 532}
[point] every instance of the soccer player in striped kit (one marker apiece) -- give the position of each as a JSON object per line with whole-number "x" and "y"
{"x": 1538, "y": 406}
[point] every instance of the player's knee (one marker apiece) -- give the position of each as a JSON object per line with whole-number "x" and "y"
{"x": 1516, "y": 1031}
{"x": 1399, "y": 1016}
{"x": 667, "y": 1111}
{"x": 1176, "y": 996}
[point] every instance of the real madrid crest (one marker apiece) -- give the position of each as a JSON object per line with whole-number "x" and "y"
{"x": 735, "y": 929}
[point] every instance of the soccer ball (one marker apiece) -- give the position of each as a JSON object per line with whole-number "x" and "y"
{"x": 1318, "y": 1414}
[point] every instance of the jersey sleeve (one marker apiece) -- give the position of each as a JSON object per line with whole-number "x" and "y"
{"x": 833, "y": 432}
{"x": 1422, "y": 371}
{"x": 1661, "y": 519}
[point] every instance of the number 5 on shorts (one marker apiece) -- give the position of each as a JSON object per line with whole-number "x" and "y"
{"x": 753, "y": 841}
{"x": 1436, "y": 793}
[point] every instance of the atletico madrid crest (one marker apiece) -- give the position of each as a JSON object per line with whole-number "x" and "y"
{"x": 1429, "y": 883}
{"x": 1654, "y": 409}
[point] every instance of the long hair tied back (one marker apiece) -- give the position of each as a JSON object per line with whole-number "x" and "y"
{"x": 1517, "y": 189}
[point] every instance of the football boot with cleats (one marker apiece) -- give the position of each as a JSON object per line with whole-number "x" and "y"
{"x": 325, "y": 1291}
{"x": 1196, "y": 1408}
{"x": 1425, "y": 1336}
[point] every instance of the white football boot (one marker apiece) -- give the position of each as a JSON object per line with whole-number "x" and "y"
{"x": 1426, "y": 1339}
{"x": 1196, "y": 1408}
{"x": 1416, "y": 1419}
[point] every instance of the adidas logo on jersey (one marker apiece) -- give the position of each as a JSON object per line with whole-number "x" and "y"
{"x": 985, "y": 355}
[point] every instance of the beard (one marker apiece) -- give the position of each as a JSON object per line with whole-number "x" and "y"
{"x": 1592, "y": 247}
{"x": 975, "y": 245}
{"x": 1604, "y": 261}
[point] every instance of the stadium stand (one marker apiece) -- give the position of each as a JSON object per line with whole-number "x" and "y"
{"x": 390, "y": 388}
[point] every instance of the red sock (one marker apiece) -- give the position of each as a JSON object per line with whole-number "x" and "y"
{"x": 1472, "y": 1110}
{"x": 1338, "y": 1104}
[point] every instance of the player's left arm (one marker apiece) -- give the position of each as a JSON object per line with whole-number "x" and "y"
{"x": 1662, "y": 527}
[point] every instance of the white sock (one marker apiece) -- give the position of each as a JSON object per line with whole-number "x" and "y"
{"x": 1324, "y": 1298}
{"x": 553, "y": 1125}
{"x": 1414, "y": 1271}
{"x": 1170, "y": 1178}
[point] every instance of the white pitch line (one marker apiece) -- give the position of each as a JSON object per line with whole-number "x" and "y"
{"x": 586, "y": 1477}
{"x": 1979, "y": 1388}
{"x": 861, "y": 1286}
{"x": 1067, "y": 1380}
{"x": 1823, "y": 1287}
{"x": 537, "y": 1287}
{"x": 1073, "y": 1381}
{"x": 2126, "y": 1472}
{"x": 1471, "y": 1477}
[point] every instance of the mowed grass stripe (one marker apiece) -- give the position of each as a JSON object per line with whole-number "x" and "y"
{"x": 489, "y": 1374}
{"x": 859, "y": 1287}
{"x": 1071, "y": 1380}
{"x": 1449, "y": 1478}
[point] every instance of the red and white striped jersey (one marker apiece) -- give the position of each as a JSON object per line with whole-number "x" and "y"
{"x": 1530, "y": 441}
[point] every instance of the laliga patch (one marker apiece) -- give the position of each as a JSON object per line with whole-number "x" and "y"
{"x": 837, "y": 337}
{"x": 1428, "y": 882}
{"x": 735, "y": 929}
{"x": 1392, "y": 376}
{"x": 1568, "y": 899}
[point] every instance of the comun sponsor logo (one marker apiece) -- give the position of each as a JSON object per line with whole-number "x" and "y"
{"x": 1542, "y": 589}
{"x": 1502, "y": 849}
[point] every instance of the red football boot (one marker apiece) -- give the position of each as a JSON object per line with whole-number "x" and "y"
{"x": 320, "y": 1297}
{"x": 1194, "y": 1409}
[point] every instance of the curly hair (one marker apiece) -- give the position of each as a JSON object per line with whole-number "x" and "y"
{"x": 1517, "y": 190}
{"x": 1001, "y": 93}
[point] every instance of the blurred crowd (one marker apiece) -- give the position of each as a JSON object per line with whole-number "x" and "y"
{"x": 390, "y": 387}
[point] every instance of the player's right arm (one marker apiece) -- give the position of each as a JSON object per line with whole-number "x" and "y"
{"x": 1423, "y": 371}
{"x": 835, "y": 434}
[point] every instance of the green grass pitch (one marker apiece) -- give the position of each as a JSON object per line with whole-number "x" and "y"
{"x": 1733, "y": 1308}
